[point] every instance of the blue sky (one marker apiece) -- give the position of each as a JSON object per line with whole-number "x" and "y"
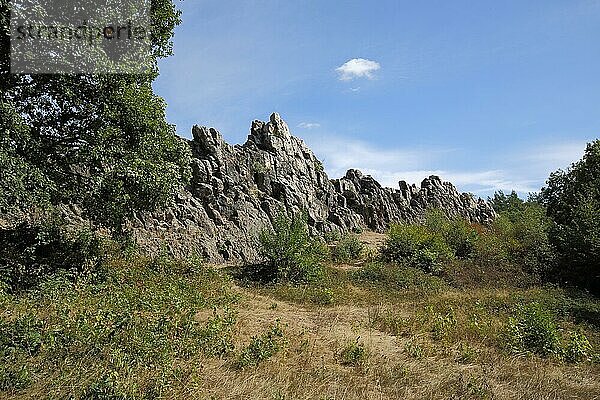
{"x": 489, "y": 95}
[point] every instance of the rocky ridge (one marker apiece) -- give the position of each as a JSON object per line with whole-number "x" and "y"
{"x": 236, "y": 191}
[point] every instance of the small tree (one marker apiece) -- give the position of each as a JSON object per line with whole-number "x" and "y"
{"x": 289, "y": 250}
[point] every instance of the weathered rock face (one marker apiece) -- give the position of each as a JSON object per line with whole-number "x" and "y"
{"x": 236, "y": 191}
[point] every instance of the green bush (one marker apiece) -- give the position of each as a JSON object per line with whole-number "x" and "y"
{"x": 533, "y": 330}
{"x": 531, "y": 231}
{"x": 518, "y": 237}
{"x": 457, "y": 233}
{"x": 216, "y": 337}
{"x": 349, "y": 248}
{"x": 414, "y": 348}
{"x": 417, "y": 246}
{"x": 524, "y": 233}
{"x": 324, "y": 296}
{"x": 443, "y": 324}
{"x": 354, "y": 354}
{"x": 371, "y": 273}
{"x": 292, "y": 255}
{"x": 262, "y": 347}
{"x": 493, "y": 249}
{"x": 331, "y": 237}
{"x": 23, "y": 334}
{"x": 30, "y": 253}
{"x": 578, "y": 347}
{"x": 462, "y": 238}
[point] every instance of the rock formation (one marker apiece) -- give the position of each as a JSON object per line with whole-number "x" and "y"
{"x": 236, "y": 191}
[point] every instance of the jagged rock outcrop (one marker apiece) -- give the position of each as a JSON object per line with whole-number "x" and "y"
{"x": 236, "y": 191}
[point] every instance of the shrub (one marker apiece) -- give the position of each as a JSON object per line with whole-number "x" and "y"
{"x": 292, "y": 255}
{"x": 217, "y": 335}
{"x": 347, "y": 249}
{"x": 492, "y": 248}
{"x": 413, "y": 348}
{"x": 262, "y": 347}
{"x": 370, "y": 273}
{"x": 443, "y": 324}
{"x": 354, "y": 354}
{"x": 331, "y": 237}
{"x": 578, "y": 347}
{"x": 417, "y": 246}
{"x": 524, "y": 233}
{"x": 457, "y": 233}
{"x": 29, "y": 253}
{"x": 404, "y": 241}
{"x": 436, "y": 220}
{"x": 462, "y": 238}
{"x": 428, "y": 260}
{"x": 23, "y": 334}
{"x": 324, "y": 296}
{"x": 531, "y": 230}
{"x": 533, "y": 330}
{"x": 518, "y": 237}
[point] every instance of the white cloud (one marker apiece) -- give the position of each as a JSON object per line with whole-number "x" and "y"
{"x": 389, "y": 166}
{"x": 482, "y": 183}
{"x": 309, "y": 125}
{"x": 557, "y": 155}
{"x": 358, "y": 68}
{"x": 341, "y": 154}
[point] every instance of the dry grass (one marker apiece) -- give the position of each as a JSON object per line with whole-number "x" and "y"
{"x": 310, "y": 367}
{"x": 422, "y": 338}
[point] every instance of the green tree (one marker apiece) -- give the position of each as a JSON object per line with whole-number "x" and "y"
{"x": 503, "y": 202}
{"x": 572, "y": 198}
{"x": 20, "y": 182}
{"x": 101, "y": 141}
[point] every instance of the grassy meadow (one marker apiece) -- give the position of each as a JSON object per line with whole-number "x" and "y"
{"x": 158, "y": 328}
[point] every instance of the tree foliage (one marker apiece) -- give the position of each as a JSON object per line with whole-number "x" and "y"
{"x": 524, "y": 230}
{"x": 101, "y": 141}
{"x": 503, "y": 202}
{"x": 28, "y": 254}
{"x": 517, "y": 238}
{"x": 572, "y": 198}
